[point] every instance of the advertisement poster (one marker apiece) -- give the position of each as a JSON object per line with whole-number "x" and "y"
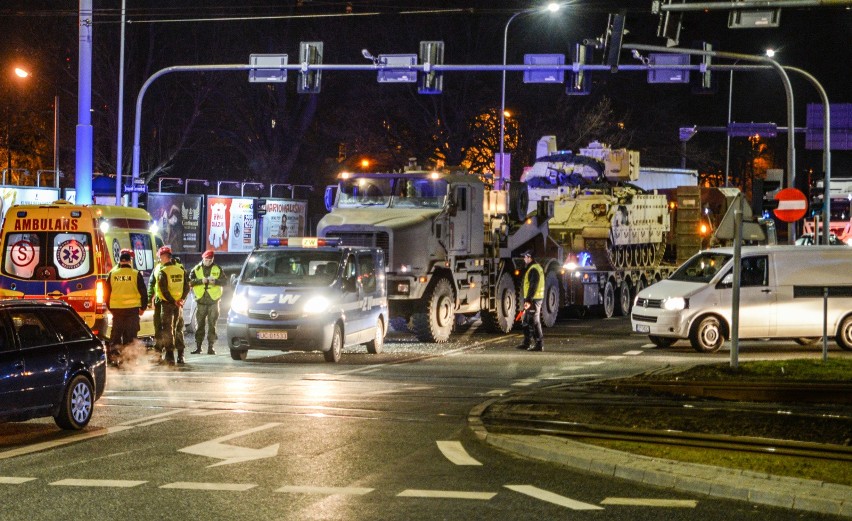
{"x": 284, "y": 218}
{"x": 25, "y": 195}
{"x": 217, "y": 223}
{"x": 241, "y": 225}
{"x": 179, "y": 219}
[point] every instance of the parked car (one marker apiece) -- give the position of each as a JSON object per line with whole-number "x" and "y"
{"x": 51, "y": 364}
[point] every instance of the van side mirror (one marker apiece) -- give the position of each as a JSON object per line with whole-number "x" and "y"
{"x": 329, "y": 197}
{"x": 727, "y": 281}
{"x": 452, "y": 206}
{"x": 234, "y": 279}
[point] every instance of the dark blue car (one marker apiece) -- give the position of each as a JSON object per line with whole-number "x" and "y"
{"x": 50, "y": 363}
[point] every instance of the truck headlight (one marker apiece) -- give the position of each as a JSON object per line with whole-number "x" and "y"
{"x": 675, "y": 304}
{"x": 402, "y": 288}
{"x": 316, "y": 304}
{"x": 239, "y": 305}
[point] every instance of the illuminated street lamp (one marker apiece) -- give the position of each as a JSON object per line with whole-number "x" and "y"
{"x": 552, "y": 8}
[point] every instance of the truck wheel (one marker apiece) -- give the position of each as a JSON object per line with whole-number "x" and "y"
{"x": 608, "y": 307}
{"x": 239, "y": 354}
{"x": 706, "y": 335}
{"x": 550, "y": 305}
{"x": 336, "y": 347}
{"x": 519, "y": 201}
{"x": 662, "y": 341}
{"x": 374, "y": 346}
{"x": 625, "y": 299}
{"x": 844, "y": 334}
{"x": 435, "y": 323}
{"x": 502, "y": 319}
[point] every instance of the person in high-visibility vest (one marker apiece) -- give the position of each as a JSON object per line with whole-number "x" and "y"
{"x": 126, "y": 299}
{"x": 533, "y": 293}
{"x": 154, "y": 302}
{"x": 172, "y": 289}
{"x": 206, "y": 280}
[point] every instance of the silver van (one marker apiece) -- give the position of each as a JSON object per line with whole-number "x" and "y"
{"x": 781, "y": 296}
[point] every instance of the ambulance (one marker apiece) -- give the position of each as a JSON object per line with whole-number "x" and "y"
{"x": 309, "y": 294}
{"x": 65, "y": 251}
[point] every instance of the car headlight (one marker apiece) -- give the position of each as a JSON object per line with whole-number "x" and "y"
{"x": 239, "y": 305}
{"x": 316, "y": 304}
{"x": 675, "y": 304}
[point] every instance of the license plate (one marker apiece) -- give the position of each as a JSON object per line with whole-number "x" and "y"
{"x": 643, "y": 329}
{"x": 272, "y": 335}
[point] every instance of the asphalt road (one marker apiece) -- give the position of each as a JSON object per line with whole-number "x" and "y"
{"x": 288, "y": 436}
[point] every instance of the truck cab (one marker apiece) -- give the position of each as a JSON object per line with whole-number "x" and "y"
{"x": 309, "y": 294}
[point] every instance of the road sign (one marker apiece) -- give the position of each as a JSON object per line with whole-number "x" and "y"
{"x": 271, "y": 71}
{"x": 136, "y": 188}
{"x": 792, "y": 205}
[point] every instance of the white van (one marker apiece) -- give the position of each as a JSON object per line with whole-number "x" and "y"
{"x": 781, "y": 296}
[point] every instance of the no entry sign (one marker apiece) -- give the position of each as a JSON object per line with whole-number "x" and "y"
{"x": 792, "y": 205}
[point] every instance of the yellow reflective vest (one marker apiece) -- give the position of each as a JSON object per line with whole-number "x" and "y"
{"x": 539, "y": 290}
{"x": 175, "y": 274}
{"x": 124, "y": 294}
{"x": 213, "y": 289}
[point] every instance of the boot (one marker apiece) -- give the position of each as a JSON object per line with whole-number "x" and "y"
{"x": 525, "y": 345}
{"x": 197, "y": 350}
{"x": 180, "y": 359}
{"x": 536, "y": 347}
{"x": 210, "y": 350}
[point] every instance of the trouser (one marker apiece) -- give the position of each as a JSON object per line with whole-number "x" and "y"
{"x": 206, "y": 315}
{"x": 158, "y": 328}
{"x": 171, "y": 330}
{"x": 532, "y": 324}
{"x": 125, "y": 326}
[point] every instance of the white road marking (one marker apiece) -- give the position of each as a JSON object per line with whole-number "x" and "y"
{"x": 633, "y": 353}
{"x": 525, "y": 382}
{"x": 216, "y": 448}
{"x": 188, "y": 485}
{"x": 152, "y": 417}
{"x": 116, "y": 483}
{"x": 60, "y": 442}
{"x": 453, "y": 352}
{"x": 594, "y": 362}
{"x": 498, "y": 392}
{"x": 448, "y": 494}
{"x": 614, "y": 357}
{"x": 647, "y": 346}
{"x": 334, "y": 491}
{"x": 572, "y": 376}
{"x": 550, "y": 497}
{"x": 454, "y": 451}
{"x": 8, "y": 480}
{"x": 153, "y": 422}
{"x": 644, "y": 502}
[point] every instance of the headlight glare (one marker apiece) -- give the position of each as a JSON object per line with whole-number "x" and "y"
{"x": 316, "y": 304}
{"x": 674, "y": 304}
{"x": 239, "y": 305}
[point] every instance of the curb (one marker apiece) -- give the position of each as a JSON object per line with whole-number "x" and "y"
{"x": 743, "y": 485}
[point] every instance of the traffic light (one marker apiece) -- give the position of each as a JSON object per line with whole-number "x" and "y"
{"x": 669, "y": 24}
{"x": 310, "y": 53}
{"x": 580, "y": 81}
{"x": 431, "y": 82}
{"x": 705, "y": 81}
{"x": 259, "y": 208}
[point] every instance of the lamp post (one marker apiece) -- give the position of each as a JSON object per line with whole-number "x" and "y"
{"x": 20, "y": 73}
{"x": 551, "y": 7}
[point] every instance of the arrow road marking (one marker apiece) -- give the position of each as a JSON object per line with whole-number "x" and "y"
{"x": 454, "y": 451}
{"x": 550, "y": 497}
{"x": 232, "y": 453}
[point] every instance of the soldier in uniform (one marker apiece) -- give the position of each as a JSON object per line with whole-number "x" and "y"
{"x": 206, "y": 280}
{"x": 533, "y": 293}
{"x": 171, "y": 289}
{"x": 126, "y": 300}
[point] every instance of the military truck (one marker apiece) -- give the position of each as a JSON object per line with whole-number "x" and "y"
{"x": 623, "y": 227}
{"x": 453, "y": 245}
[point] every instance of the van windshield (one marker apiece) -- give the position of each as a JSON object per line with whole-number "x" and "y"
{"x": 47, "y": 255}
{"x": 291, "y": 268}
{"x": 701, "y": 268}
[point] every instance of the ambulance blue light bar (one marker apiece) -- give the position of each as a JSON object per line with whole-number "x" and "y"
{"x": 303, "y": 242}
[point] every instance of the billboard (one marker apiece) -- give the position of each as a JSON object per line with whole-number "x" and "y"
{"x": 10, "y": 195}
{"x": 230, "y": 224}
{"x": 179, "y": 219}
{"x": 284, "y": 218}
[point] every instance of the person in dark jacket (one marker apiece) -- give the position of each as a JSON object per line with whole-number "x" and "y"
{"x": 533, "y": 293}
{"x": 126, "y": 298}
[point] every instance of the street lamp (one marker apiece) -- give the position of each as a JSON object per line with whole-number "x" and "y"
{"x": 552, "y": 8}
{"x": 20, "y": 73}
